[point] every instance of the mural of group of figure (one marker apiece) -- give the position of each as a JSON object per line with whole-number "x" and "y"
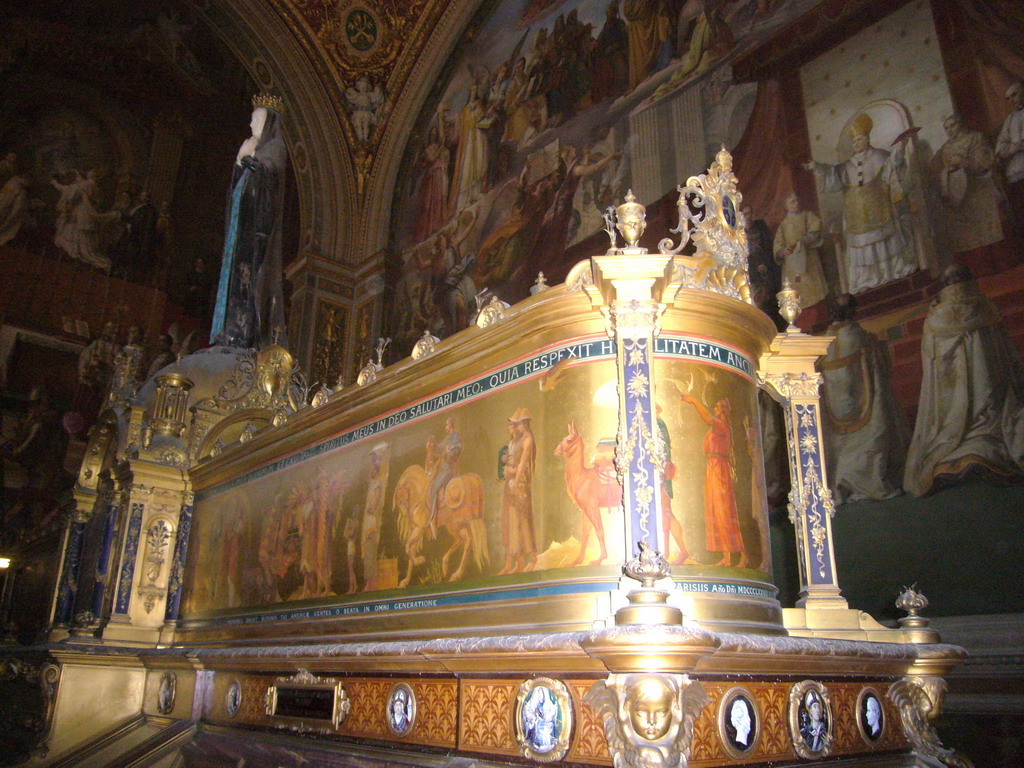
{"x": 429, "y": 525}
{"x": 970, "y": 417}
{"x": 978, "y": 184}
{"x": 129, "y": 236}
{"x": 972, "y": 395}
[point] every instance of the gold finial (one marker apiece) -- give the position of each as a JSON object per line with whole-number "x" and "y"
{"x": 540, "y": 285}
{"x": 724, "y": 159}
{"x": 648, "y": 605}
{"x": 914, "y": 626}
{"x": 268, "y": 101}
{"x": 789, "y": 304}
{"x": 911, "y": 601}
{"x": 631, "y": 220}
{"x": 647, "y": 567}
{"x": 382, "y": 346}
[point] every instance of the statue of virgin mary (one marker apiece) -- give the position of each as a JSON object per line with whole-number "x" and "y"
{"x": 249, "y": 306}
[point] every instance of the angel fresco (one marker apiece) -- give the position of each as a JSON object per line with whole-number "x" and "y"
{"x": 364, "y": 99}
{"x": 434, "y": 497}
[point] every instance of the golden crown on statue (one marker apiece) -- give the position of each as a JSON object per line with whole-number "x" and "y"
{"x": 268, "y": 101}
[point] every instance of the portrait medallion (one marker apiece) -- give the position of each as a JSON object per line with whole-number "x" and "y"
{"x": 165, "y": 693}
{"x": 401, "y": 714}
{"x": 233, "y": 698}
{"x": 870, "y": 716}
{"x": 810, "y": 719}
{"x": 739, "y": 722}
{"x": 543, "y": 719}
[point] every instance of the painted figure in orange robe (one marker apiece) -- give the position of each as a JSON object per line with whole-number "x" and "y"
{"x": 720, "y": 516}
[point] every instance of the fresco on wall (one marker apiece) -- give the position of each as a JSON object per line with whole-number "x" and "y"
{"x": 110, "y": 202}
{"x": 550, "y": 112}
{"x": 533, "y": 134}
{"x": 516, "y": 482}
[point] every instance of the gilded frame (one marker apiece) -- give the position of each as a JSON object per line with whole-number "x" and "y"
{"x": 302, "y": 680}
{"x": 866, "y": 691}
{"x": 563, "y": 719}
{"x": 166, "y": 692}
{"x": 401, "y": 729}
{"x": 233, "y": 698}
{"x": 728, "y": 698}
{"x": 798, "y": 695}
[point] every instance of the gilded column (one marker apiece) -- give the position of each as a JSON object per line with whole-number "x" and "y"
{"x": 627, "y": 285}
{"x": 789, "y": 373}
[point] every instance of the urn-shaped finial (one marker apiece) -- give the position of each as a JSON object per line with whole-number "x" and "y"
{"x": 631, "y": 220}
{"x": 789, "y": 303}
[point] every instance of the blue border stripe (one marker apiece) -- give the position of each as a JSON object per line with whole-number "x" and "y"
{"x": 426, "y": 601}
{"x": 695, "y": 348}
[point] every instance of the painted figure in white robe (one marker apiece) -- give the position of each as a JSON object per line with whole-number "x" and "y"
{"x": 866, "y": 432}
{"x": 13, "y": 207}
{"x": 966, "y": 166}
{"x": 80, "y": 224}
{"x": 797, "y": 245}
{"x": 373, "y": 512}
{"x": 1010, "y": 150}
{"x": 971, "y": 414}
{"x": 471, "y": 155}
{"x": 877, "y": 231}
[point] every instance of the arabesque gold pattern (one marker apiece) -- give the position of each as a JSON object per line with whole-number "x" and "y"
{"x": 485, "y": 707}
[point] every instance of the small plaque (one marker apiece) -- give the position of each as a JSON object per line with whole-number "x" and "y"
{"x": 308, "y": 700}
{"x": 401, "y": 709}
{"x": 870, "y": 716}
{"x": 233, "y": 698}
{"x": 165, "y": 693}
{"x": 543, "y": 719}
{"x": 810, "y": 719}
{"x": 739, "y": 722}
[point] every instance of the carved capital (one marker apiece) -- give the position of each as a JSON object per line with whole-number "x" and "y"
{"x": 635, "y": 318}
{"x": 648, "y": 718}
{"x": 790, "y": 385}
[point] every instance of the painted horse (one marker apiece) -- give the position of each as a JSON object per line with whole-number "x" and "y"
{"x": 459, "y": 510}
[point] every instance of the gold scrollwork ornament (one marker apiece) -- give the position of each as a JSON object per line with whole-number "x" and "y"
{"x": 648, "y": 719}
{"x": 810, "y": 719}
{"x": 543, "y": 719}
{"x": 919, "y": 700}
{"x": 425, "y": 346}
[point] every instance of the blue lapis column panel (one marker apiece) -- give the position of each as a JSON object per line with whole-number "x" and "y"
{"x": 174, "y": 585}
{"x": 130, "y": 551}
{"x": 810, "y": 502}
{"x": 68, "y": 586}
{"x": 639, "y": 456}
{"x": 103, "y": 557}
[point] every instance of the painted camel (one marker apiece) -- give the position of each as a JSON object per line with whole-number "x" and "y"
{"x": 590, "y": 489}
